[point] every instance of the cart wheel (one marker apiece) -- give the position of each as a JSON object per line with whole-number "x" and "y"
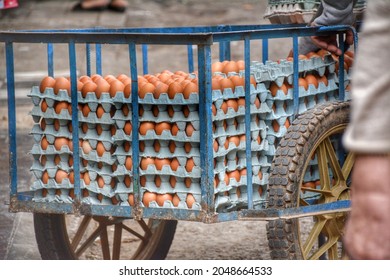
{"x": 88, "y": 237}
{"x": 311, "y": 167}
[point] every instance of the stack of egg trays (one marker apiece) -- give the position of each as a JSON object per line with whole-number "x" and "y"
{"x": 98, "y": 165}
{"x": 122, "y": 152}
{"x": 290, "y": 11}
{"x": 233, "y": 158}
{"x": 180, "y": 189}
{"x": 54, "y": 192}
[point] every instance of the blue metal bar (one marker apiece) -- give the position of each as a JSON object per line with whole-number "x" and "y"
{"x": 295, "y": 76}
{"x": 224, "y": 51}
{"x": 9, "y": 55}
{"x": 75, "y": 120}
{"x": 248, "y": 135}
{"x": 98, "y": 53}
{"x": 135, "y": 121}
{"x": 190, "y": 57}
{"x": 88, "y": 58}
{"x": 206, "y": 132}
{"x": 50, "y": 60}
{"x": 265, "y": 50}
{"x": 145, "y": 60}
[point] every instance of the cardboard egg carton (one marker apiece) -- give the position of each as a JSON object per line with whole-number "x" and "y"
{"x": 164, "y": 99}
{"x": 48, "y": 95}
{"x": 52, "y": 196}
{"x": 93, "y": 102}
{"x": 51, "y": 150}
{"x": 237, "y": 161}
{"x": 107, "y": 157}
{"x": 180, "y": 184}
{"x": 64, "y": 117}
{"x": 50, "y": 132}
{"x": 181, "y": 135}
{"x": 182, "y": 204}
{"x": 165, "y": 151}
{"x": 163, "y": 115}
{"x": 236, "y": 126}
{"x": 180, "y": 172}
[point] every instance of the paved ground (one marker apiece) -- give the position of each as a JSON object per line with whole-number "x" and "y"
{"x": 17, "y": 239}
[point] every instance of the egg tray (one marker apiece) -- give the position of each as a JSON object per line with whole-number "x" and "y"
{"x": 52, "y": 197}
{"x": 163, "y": 115}
{"x": 234, "y": 127}
{"x": 107, "y": 157}
{"x": 232, "y": 149}
{"x": 165, "y": 152}
{"x": 166, "y": 187}
{"x": 51, "y": 150}
{"x": 50, "y": 132}
{"x": 51, "y": 184}
{"x": 256, "y": 181}
{"x": 167, "y": 135}
{"x": 64, "y": 117}
{"x": 164, "y": 99}
{"x": 48, "y": 95}
{"x": 231, "y": 202}
{"x": 37, "y": 169}
{"x": 231, "y": 113}
{"x": 167, "y": 170}
{"x": 105, "y": 101}
{"x": 223, "y": 165}
{"x": 106, "y": 190}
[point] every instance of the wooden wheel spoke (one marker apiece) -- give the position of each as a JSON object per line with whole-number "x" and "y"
{"x": 323, "y": 166}
{"x": 333, "y": 160}
{"x": 348, "y": 164}
{"x": 324, "y": 248}
{"x": 105, "y": 245}
{"x": 88, "y": 242}
{"x": 133, "y": 232}
{"x": 313, "y": 237}
{"x": 145, "y": 227}
{"x": 116, "y": 249}
{"x": 80, "y": 232}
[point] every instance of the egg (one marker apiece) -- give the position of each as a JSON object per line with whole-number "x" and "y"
{"x": 127, "y": 128}
{"x": 146, "y": 88}
{"x": 145, "y": 162}
{"x": 189, "y": 89}
{"x": 190, "y": 200}
{"x": 287, "y": 123}
{"x": 189, "y": 129}
{"x": 324, "y": 80}
{"x": 173, "y": 89}
{"x": 44, "y": 105}
{"x": 44, "y": 143}
{"x": 100, "y": 181}
{"x": 216, "y": 66}
{"x": 160, "y": 127}
{"x": 159, "y": 89}
{"x": 175, "y": 164}
{"x": 187, "y": 182}
{"x": 45, "y": 177}
{"x": 240, "y": 65}
{"x": 175, "y": 200}
{"x": 60, "y": 142}
{"x": 116, "y": 86}
{"x": 311, "y": 79}
{"x": 302, "y": 82}
{"x": 60, "y": 176}
{"x": 232, "y": 103}
{"x": 47, "y": 82}
{"x": 148, "y": 197}
{"x": 130, "y": 199}
{"x": 161, "y": 162}
{"x": 127, "y": 181}
{"x": 234, "y": 175}
{"x": 161, "y": 198}
{"x": 187, "y": 147}
{"x": 85, "y": 110}
{"x": 61, "y": 83}
{"x": 129, "y": 163}
{"x": 99, "y": 111}
{"x": 275, "y": 125}
{"x": 235, "y": 140}
{"x": 61, "y": 105}
{"x": 100, "y": 149}
{"x": 85, "y": 79}
{"x": 237, "y": 81}
{"x": 215, "y": 85}
{"x": 226, "y": 83}
{"x": 230, "y": 66}
{"x": 190, "y": 164}
{"x": 102, "y": 87}
{"x": 146, "y": 126}
{"x": 274, "y": 88}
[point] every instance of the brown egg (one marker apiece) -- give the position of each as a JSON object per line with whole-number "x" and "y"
{"x": 160, "y": 88}
{"x": 44, "y": 105}
{"x": 234, "y": 139}
{"x": 61, "y": 105}
{"x": 173, "y": 89}
{"x": 86, "y": 147}
{"x": 232, "y": 103}
{"x": 230, "y": 66}
{"x": 302, "y": 82}
{"x": 156, "y": 146}
{"x": 275, "y": 125}
{"x": 187, "y": 182}
{"x": 157, "y": 181}
{"x": 85, "y": 110}
{"x": 190, "y": 88}
{"x": 189, "y": 129}
{"x": 60, "y": 176}
{"x": 47, "y": 82}
{"x": 96, "y": 77}
{"x": 44, "y": 143}
{"x": 161, "y": 198}
{"x": 215, "y": 85}
{"x": 190, "y": 164}
{"x": 274, "y": 88}
{"x": 174, "y": 129}
{"x": 145, "y": 162}
{"x": 86, "y": 178}
{"x": 175, "y": 200}
{"x": 146, "y": 88}
{"x": 100, "y": 149}
{"x": 127, "y": 90}
{"x": 311, "y": 79}
{"x": 129, "y": 163}
{"x": 61, "y": 142}
{"x": 127, "y": 128}
{"x": 102, "y": 87}
{"x": 148, "y": 197}
{"x": 160, "y": 127}
{"x": 163, "y": 77}
{"x": 216, "y": 66}
{"x": 61, "y": 83}
{"x": 226, "y": 83}
{"x": 234, "y": 175}
{"x": 287, "y": 123}
{"x": 146, "y": 126}
{"x": 130, "y": 199}
{"x": 237, "y": 80}
{"x": 175, "y": 164}
{"x": 116, "y": 86}
{"x": 187, "y": 147}
{"x": 240, "y": 65}
{"x": 190, "y": 200}
{"x": 161, "y": 162}
{"x": 127, "y": 181}
{"x": 45, "y": 177}
{"x": 99, "y": 111}
{"x": 172, "y": 181}
{"x": 100, "y": 181}
{"x": 323, "y": 79}
{"x": 85, "y": 79}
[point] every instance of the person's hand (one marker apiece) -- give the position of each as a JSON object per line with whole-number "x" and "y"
{"x": 330, "y": 43}
{"x": 367, "y": 231}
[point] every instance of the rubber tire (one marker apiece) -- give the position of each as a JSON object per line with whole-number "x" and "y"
{"x": 53, "y": 242}
{"x": 286, "y": 171}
